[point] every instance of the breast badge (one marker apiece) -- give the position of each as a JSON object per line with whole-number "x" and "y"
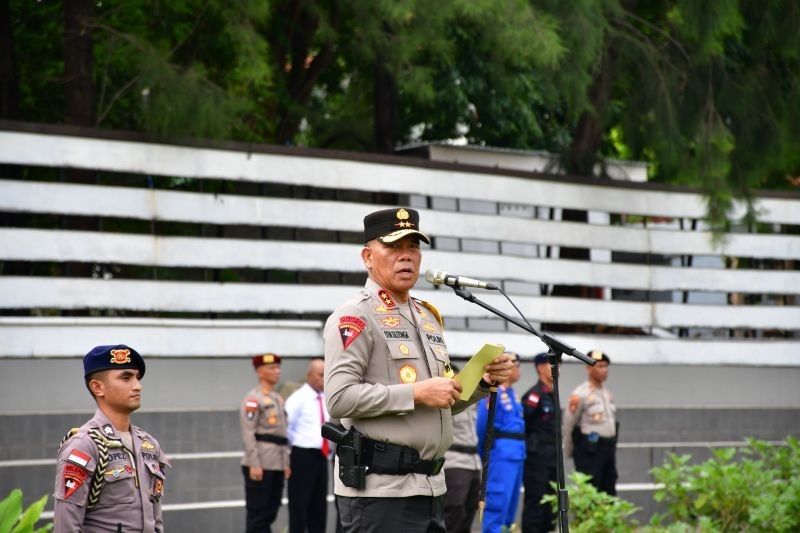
{"x": 404, "y": 350}
{"x": 390, "y": 321}
{"x": 430, "y": 328}
{"x": 408, "y": 374}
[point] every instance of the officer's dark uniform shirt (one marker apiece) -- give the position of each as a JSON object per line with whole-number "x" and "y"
{"x": 539, "y": 406}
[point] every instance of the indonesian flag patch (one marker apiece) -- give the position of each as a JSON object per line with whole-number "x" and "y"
{"x": 79, "y": 458}
{"x": 532, "y": 399}
{"x": 73, "y": 479}
{"x": 251, "y": 408}
{"x": 350, "y": 327}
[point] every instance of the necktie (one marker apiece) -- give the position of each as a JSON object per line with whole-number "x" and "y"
{"x": 325, "y": 445}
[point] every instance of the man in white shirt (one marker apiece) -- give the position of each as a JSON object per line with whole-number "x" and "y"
{"x": 308, "y": 486}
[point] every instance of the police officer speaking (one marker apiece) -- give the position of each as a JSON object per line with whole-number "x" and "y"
{"x": 388, "y": 378}
{"x": 110, "y": 473}
{"x": 590, "y": 429}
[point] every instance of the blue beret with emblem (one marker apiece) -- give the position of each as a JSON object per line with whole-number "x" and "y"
{"x": 112, "y": 357}
{"x": 541, "y": 359}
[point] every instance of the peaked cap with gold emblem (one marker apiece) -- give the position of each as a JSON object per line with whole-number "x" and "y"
{"x": 112, "y": 357}
{"x": 390, "y": 225}
{"x": 266, "y": 359}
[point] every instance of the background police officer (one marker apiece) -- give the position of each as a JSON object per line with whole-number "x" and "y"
{"x": 590, "y": 429}
{"x": 539, "y": 406}
{"x": 110, "y": 473}
{"x": 388, "y": 375}
{"x": 462, "y": 472}
{"x": 506, "y": 455}
{"x": 265, "y": 464}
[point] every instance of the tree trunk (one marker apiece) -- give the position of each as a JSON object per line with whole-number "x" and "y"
{"x": 385, "y": 112}
{"x": 78, "y": 59}
{"x": 304, "y": 72}
{"x": 589, "y": 132}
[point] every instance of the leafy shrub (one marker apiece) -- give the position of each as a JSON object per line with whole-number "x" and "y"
{"x": 755, "y": 488}
{"x": 593, "y": 511}
{"x": 14, "y": 520}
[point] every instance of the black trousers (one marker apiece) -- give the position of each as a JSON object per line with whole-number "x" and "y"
{"x": 461, "y": 498}
{"x": 262, "y": 499}
{"x": 599, "y": 461}
{"x": 412, "y": 514}
{"x": 308, "y": 491}
{"x": 540, "y": 470}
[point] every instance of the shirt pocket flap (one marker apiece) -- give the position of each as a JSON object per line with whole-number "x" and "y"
{"x": 155, "y": 470}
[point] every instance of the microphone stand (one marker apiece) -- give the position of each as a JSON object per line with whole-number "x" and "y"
{"x": 556, "y": 348}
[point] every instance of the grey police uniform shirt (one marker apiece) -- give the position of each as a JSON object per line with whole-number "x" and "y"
{"x": 464, "y": 434}
{"x": 593, "y": 410}
{"x": 263, "y": 413}
{"x": 373, "y": 355}
{"x": 130, "y": 497}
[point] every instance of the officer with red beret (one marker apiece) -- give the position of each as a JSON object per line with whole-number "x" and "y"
{"x": 265, "y": 464}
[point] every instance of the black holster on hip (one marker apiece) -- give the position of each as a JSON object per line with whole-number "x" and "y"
{"x": 349, "y": 449}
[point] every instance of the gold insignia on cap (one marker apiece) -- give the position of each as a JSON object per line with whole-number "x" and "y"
{"x": 408, "y": 374}
{"x": 402, "y": 214}
{"x": 268, "y": 359}
{"x": 404, "y": 349}
{"x": 597, "y": 355}
{"x": 120, "y": 357}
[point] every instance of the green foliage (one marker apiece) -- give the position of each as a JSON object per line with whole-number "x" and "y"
{"x": 755, "y": 489}
{"x": 14, "y": 520}
{"x": 593, "y": 511}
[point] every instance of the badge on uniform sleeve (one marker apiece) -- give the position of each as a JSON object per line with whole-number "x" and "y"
{"x": 350, "y": 327}
{"x": 79, "y": 458}
{"x": 408, "y": 374}
{"x": 250, "y": 408}
{"x": 73, "y": 479}
{"x": 532, "y": 400}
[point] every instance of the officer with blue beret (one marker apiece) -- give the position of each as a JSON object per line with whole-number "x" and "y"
{"x": 539, "y": 406}
{"x": 109, "y": 473}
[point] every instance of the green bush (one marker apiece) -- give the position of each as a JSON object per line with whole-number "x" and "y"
{"x": 592, "y": 511}
{"x": 755, "y": 488}
{"x": 14, "y": 520}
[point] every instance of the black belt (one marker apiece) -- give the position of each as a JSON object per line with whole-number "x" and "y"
{"x": 507, "y": 435}
{"x": 274, "y": 439}
{"x": 392, "y": 459}
{"x": 601, "y": 441}
{"x": 463, "y": 449}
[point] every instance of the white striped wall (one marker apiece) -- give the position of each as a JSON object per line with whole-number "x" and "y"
{"x": 30, "y": 336}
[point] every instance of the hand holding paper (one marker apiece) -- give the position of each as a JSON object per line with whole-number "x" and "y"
{"x": 471, "y": 374}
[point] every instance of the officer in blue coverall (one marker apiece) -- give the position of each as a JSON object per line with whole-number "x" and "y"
{"x": 507, "y": 456}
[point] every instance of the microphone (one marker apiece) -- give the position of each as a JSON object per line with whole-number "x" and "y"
{"x": 440, "y": 277}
